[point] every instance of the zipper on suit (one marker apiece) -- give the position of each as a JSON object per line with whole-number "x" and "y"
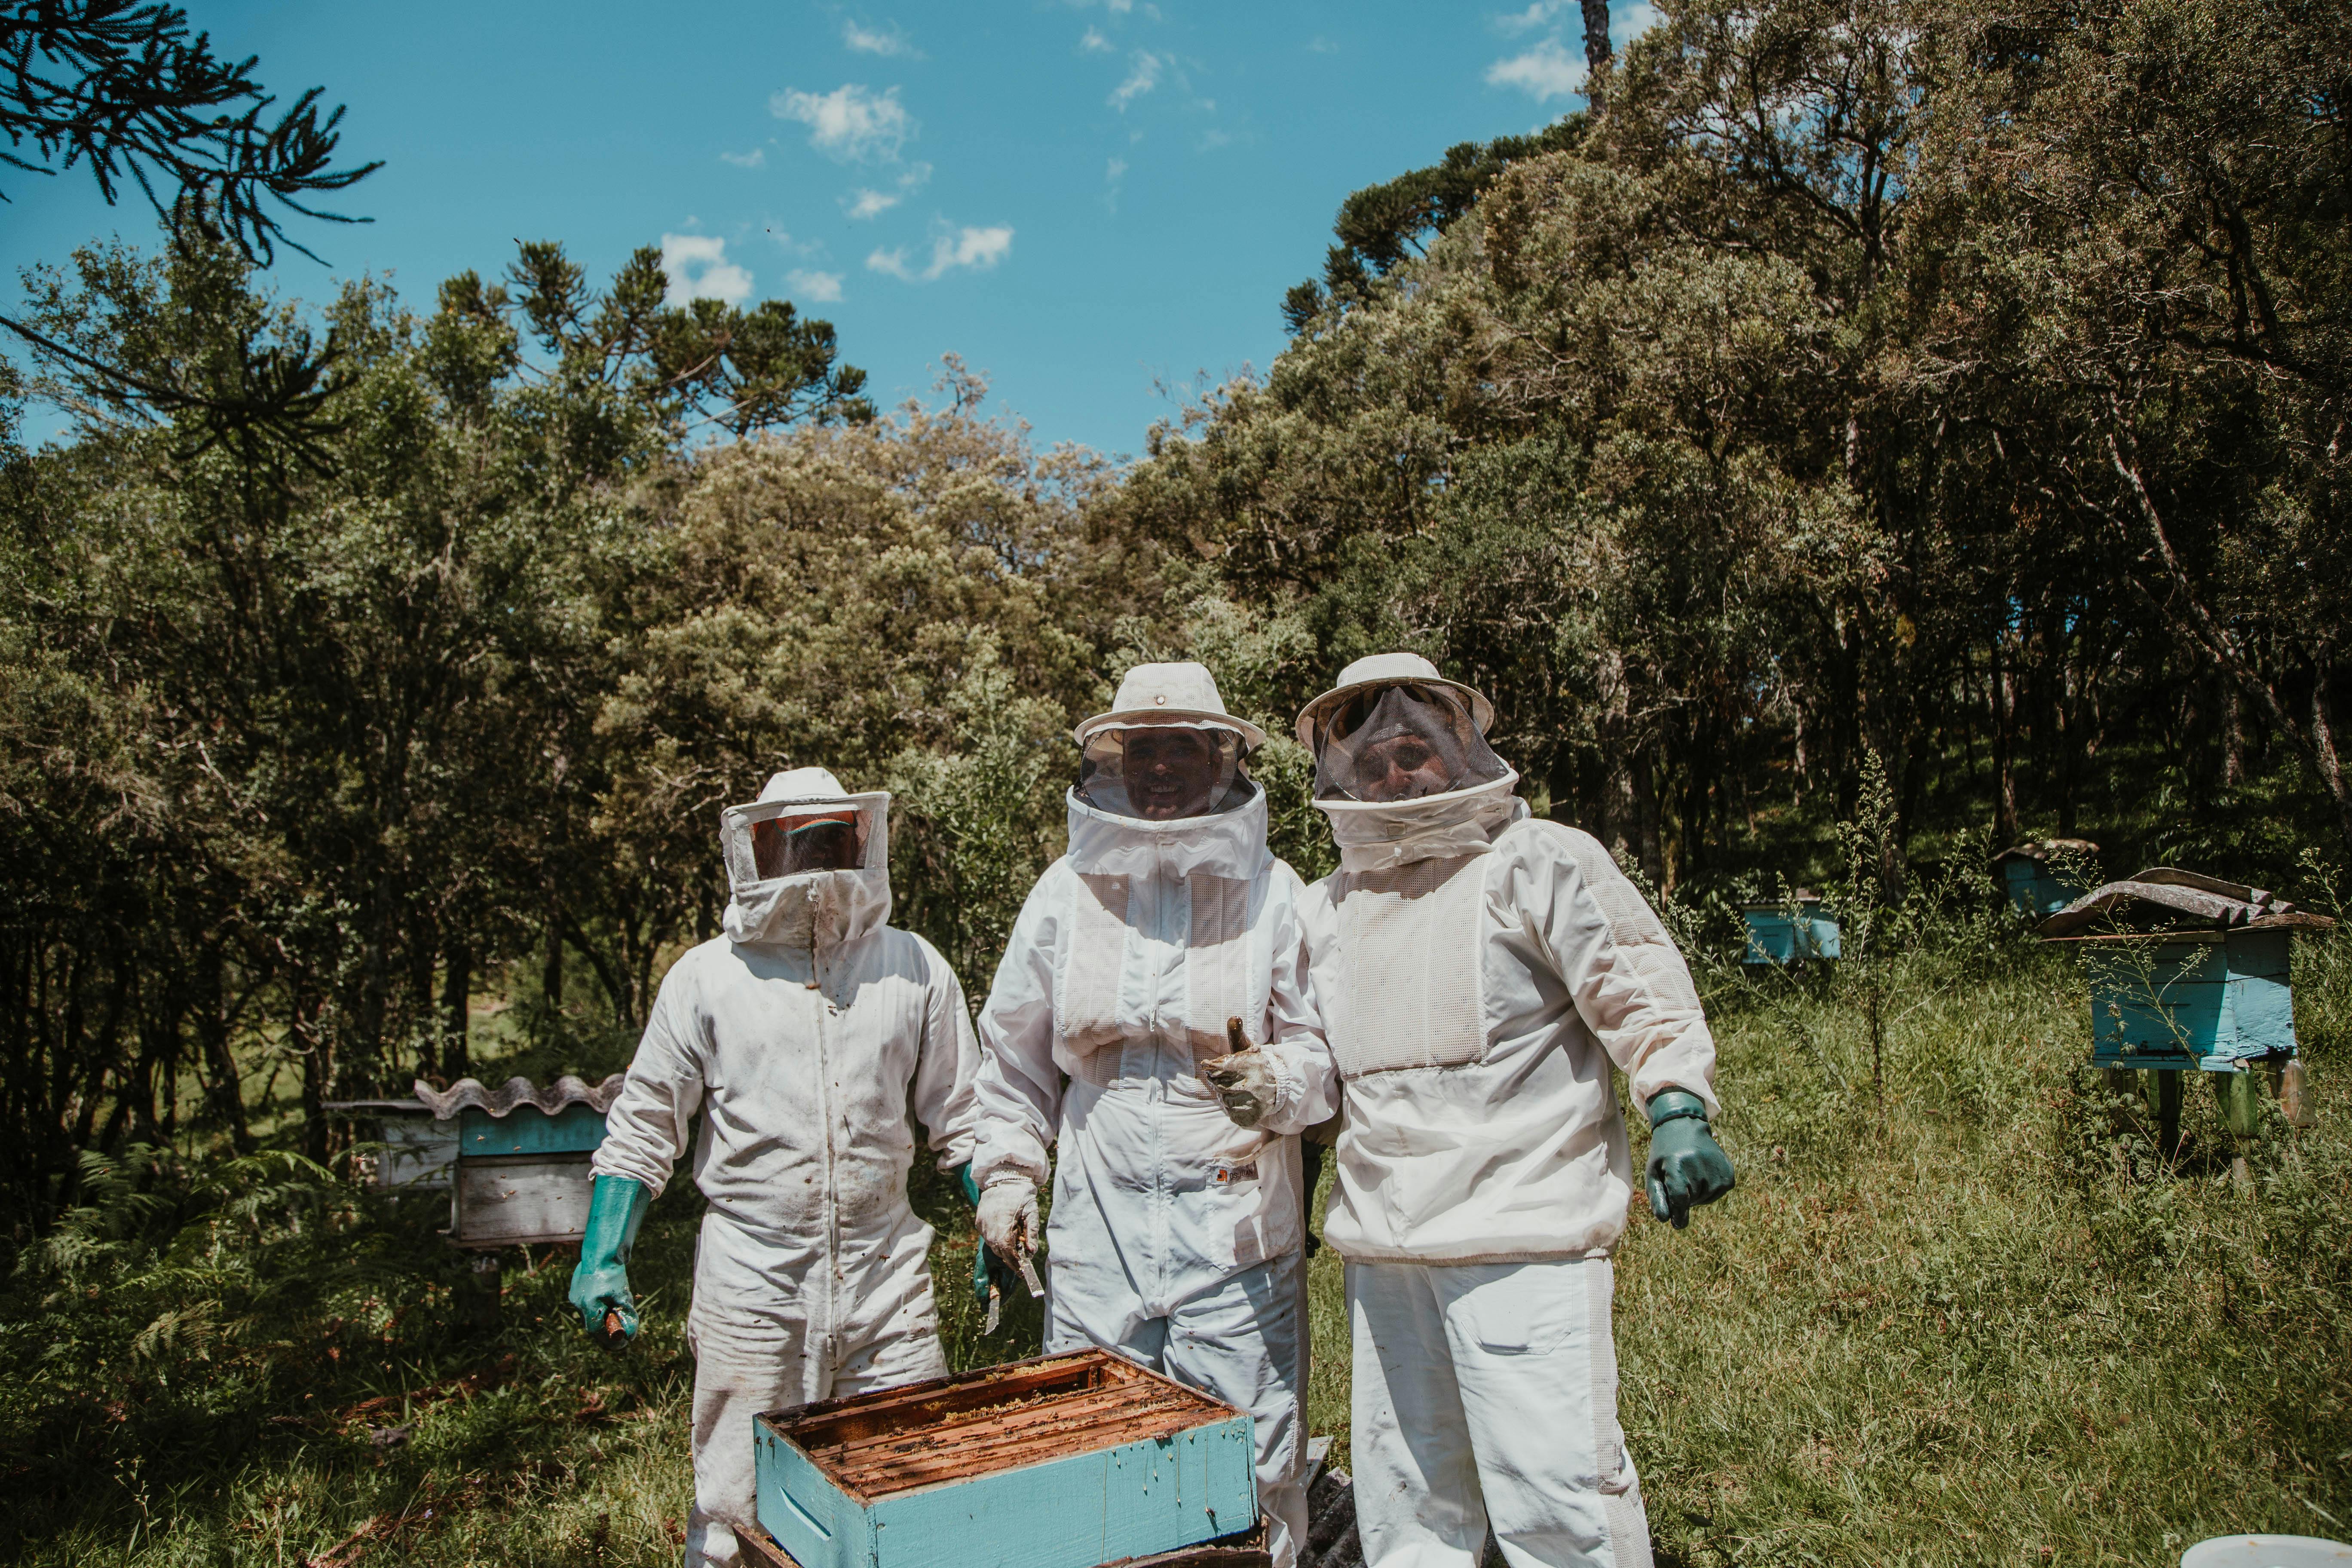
{"x": 832, "y": 1177}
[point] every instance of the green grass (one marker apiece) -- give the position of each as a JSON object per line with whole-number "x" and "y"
{"x": 1980, "y": 1326}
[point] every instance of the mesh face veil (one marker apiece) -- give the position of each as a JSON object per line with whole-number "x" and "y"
{"x": 787, "y": 839}
{"x": 1401, "y": 742}
{"x": 1162, "y": 772}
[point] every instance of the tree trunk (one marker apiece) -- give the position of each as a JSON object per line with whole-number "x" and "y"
{"x": 456, "y": 986}
{"x": 1596, "y": 50}
{"x": 2003, "y": 698}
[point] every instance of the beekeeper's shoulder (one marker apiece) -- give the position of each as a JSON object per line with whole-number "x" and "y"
{"x": 1538, "y": 842}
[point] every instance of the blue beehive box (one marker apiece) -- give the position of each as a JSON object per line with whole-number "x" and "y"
{"x": 2188, "y": 973}
{"x": 1067, "y": 1461}
{"x": 2039, "y": 878}
{"x": 1774, "y": 938}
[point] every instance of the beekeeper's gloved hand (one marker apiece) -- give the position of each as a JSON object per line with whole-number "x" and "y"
{"x": 987, "y": 1268}
{"x": 600, "y": 1286}
{"x": 1687, "y": 1166}
{"x": 1244, "y": 1084}
{"x": 1008, "y": 1216}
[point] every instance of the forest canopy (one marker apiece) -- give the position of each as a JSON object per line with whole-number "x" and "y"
{"x": 1862, "y": 380}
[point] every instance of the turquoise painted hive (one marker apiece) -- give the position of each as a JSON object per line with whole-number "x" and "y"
{"x": 520, "y": 1176}
{"x": 1067, "y": 1461}
{"x": 2033, "y": 884}
{"x": 2186, "y": 971}
{"x": 1774, "y": 938}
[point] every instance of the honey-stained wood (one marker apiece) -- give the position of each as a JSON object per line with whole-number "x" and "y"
{"x": 995, "y": 1420}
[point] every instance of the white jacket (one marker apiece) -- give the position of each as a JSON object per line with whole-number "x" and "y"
{"x": 805, "y": 1036}
{"x": 1479, "y": 973}
{"x": 1129, "y": 955}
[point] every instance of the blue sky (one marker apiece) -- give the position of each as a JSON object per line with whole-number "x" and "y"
{"x": 1094, "y": 202}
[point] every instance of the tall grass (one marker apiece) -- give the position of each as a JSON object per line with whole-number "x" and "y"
{"x": 1985, "y": 1325}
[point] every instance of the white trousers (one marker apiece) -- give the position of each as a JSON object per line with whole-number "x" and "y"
{"x": 1243, "y": 1341}
{"x": 762, "y": 1345}
{"x": 1486, "y": 1395}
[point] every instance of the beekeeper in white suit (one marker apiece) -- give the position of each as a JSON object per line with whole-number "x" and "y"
{"x": 1176, "y": 1234}
{"x": 1479, "y": 975}
{"x": 804, "y": 1035}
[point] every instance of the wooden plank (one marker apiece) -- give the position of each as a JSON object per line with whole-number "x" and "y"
{"x": 819, "y": 1425}
{"x": 1078, "y": 1511}
{"x": 508, "y": 1201}
{"x": 968, "y": 1427}
{"x": 885, "y": 1477}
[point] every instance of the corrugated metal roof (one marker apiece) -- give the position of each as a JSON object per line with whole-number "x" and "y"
{"x": 471, "y": 1094}
{"x": 2176, "y": 900}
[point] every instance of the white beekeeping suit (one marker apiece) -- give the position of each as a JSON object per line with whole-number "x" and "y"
{"x": 805, "y": 1036}
{"x": 1480, "y": 973}
{"x": 1175, "y": 1236}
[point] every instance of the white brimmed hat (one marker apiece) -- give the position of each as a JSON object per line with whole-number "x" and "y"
{"x": 1388, "y": 669}
{"x": 1183, "y": 693}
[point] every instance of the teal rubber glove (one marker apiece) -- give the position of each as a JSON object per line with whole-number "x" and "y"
{"x": 600, "y": 1286}
{"x": 987, "y": 1268}
{"x": 1687, "y": 1167}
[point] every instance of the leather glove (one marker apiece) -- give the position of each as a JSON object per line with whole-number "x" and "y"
{"x": 599, "y": 1285}
{"x": 1008, "y": 1216}
{"x": 1244, "y": 1084}
{"x": 1687, "y": 1167}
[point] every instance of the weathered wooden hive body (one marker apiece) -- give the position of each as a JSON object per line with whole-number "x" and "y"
{"x": 514, "y": 1159}
{"x": 2039, "y": 878}
{"x": 1773, "y": 937}
{"x": 2186, "y": 971}
{"x": 1067, "y": 1461}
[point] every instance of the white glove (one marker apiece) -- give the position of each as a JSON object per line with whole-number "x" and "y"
{"x": 1244, "y": 1084}
{"x": 1008, "y": 1217}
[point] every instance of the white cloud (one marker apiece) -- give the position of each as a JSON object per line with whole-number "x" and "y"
{"x": 1114, "y": 171}
{"x": 870, "y": 202}
{"x": 978, "y": 248}
{"x": 1543, "y": 72}
{"x": 1321, "y": 45}
{"x": 1139, "y": 80}
{"x": 751, "y": 159}
{"x": 1094, "y": 43}
{"x": 697, "y": 268}
{"x": 875, "y": 40}
{"x": 1631, "y": 22}
{"x": 1534, "y": 17}
{"x": 849, "y": 124}
{"x": 817, "y": 288}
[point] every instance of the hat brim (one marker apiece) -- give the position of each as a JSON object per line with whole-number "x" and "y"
{"x": 1243, "y": 727}
{"x": 1481, "y": 712}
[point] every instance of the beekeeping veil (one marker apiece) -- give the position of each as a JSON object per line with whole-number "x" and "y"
{"x": 807, "y": 863}
{"x": 1402, "y": 764}
{"x": 1167, "y": 750}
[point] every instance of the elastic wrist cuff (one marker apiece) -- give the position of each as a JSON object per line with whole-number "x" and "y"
{"x": 1686, "y": 1105}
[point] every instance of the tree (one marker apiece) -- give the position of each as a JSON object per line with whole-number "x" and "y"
{"x": 123, "y": 88}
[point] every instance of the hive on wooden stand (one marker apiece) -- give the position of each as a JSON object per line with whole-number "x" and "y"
{"x": 1067, "y": 1461}
{"x": 2045, "y": 875}
{"x": 2192, "y": 973}
{"x": 1792, "y": 931}
{"x": 514, "y": 1160}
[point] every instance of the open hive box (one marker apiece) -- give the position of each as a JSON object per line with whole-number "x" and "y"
{"x": 1067, "y": 1461}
